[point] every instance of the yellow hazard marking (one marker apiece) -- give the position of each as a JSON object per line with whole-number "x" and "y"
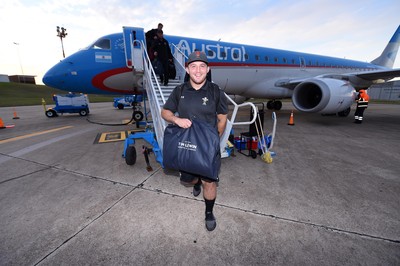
{"x": 112, "y": 136}
{"x": 33, "y": 134}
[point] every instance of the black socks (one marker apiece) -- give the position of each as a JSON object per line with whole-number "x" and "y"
{"x": 209, "y": 205}
{"x": 198, "y": 184}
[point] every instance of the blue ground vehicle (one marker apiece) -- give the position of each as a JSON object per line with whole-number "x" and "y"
{"x": 121, "y": 103}
{"x": 127, "y": 101}
{"x": 130, "y": 101}
{"x": 69, "y": 103}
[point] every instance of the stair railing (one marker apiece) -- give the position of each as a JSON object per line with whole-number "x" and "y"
{"x": 179, "y": 61}
{"x": 149, "y": 74}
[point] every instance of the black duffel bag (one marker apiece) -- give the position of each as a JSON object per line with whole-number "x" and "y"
{"x": 195, "y": 150}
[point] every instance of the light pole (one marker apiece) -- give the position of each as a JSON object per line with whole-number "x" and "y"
{"x": 20, "y": 62}
{"x": 62, "y": 34}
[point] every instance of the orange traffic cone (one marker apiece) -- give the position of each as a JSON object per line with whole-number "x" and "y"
{"x": 1, "y": 123}
{"x": 291, "y": 122}
{"x": 15, "y": 115}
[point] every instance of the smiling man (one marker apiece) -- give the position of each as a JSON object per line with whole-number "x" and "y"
{"x": 203, "y": 100}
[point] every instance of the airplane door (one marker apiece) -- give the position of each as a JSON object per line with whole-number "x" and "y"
{"x": 133, "y": 39}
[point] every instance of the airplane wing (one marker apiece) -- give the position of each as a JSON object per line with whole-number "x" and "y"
{"x": 380, "y": 74}
{"x": 332, "y": 93}
{"x": 358, "y": 79}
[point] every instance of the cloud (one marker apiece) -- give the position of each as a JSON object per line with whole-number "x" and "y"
{"x": 352, "y": 29}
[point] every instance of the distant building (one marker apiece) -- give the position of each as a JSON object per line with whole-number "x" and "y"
{"x": 387, "y": 91}
{"x": 23, "y": 79}
{"x": 4, "y": 78}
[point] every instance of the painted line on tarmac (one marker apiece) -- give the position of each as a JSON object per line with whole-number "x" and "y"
{"x": 33, "y": 134}
{"x": 31, "y": 148}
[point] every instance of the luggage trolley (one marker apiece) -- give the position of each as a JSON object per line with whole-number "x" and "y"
{"x": 249, "y": 140}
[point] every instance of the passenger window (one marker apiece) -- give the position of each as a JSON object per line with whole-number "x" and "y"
{"x": 210, "y": 53}
{"x": 257, "y": 57}
{"x": 235, "y": 56}
{"x": 246, "y": 56}
{"x": 266, "y": 58}
{"x": 223, "y": 54}
{"x": 102, "y": 44}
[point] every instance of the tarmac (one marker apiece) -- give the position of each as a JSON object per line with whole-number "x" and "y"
{"x": 331, "y": 196}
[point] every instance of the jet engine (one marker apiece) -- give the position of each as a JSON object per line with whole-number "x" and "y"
{"x": 323, "y": 95}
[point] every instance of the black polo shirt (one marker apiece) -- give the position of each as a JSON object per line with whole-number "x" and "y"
{"x": 203, "y": 104}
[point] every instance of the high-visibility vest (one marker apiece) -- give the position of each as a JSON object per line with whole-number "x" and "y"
{"x": 362, "y": 102}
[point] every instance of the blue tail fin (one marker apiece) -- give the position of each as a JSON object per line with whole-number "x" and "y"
{"x": 388, "y": 55}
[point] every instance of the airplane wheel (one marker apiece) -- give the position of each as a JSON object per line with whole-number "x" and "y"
{"x": 270, "y": 105}
{"x": 344, "y": 113}
{"x": 83, "y": 112}
{"x": 51, "y": 113}
{"x": 138, "y": 116}
{"x": 130, "y": 155}
{"x": 277, "y": 105}
{"x": 120, "y": 106}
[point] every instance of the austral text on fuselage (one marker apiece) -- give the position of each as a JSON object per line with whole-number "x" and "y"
{"x": 215, "y": 51}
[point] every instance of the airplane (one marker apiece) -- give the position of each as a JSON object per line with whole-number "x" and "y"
{"x": 315, "y": 83}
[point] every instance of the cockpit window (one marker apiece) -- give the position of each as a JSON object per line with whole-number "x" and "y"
{"x": 104, "y": 44}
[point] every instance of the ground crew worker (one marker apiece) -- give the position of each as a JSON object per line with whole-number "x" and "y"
{"x": 362, "y": 104}
{"x": 193, "y": 102}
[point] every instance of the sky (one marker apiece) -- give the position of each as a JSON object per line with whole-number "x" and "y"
{"x": 358, "y": 29}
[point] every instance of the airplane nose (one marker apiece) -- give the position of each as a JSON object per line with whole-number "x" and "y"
{"x": 55, "y": 76}
{"x": 48, "y": 79}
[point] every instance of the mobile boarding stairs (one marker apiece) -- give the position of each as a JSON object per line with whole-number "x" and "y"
{"x": 157, "y": 94}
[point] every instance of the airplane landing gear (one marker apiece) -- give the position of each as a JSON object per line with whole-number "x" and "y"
{"x": 274, "y": 105}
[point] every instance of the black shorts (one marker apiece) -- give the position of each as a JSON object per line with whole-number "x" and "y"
{"x": 189, "y": 177}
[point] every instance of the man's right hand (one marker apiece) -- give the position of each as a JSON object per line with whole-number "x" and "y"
{"x": 182, "y": 122}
